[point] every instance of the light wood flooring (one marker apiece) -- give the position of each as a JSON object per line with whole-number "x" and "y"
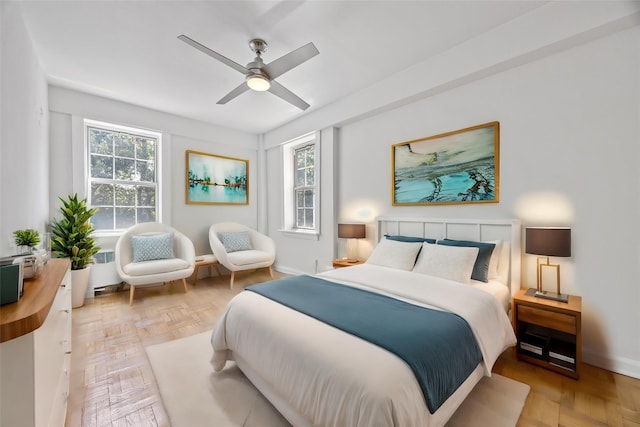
{"x": 112, "y": 383}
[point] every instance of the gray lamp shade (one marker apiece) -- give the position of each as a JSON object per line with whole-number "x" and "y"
{"x": 548, "y": 241}
{"x": 351, "y": 231}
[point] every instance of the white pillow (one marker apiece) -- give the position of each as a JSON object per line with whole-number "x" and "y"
{"x": 394, "y": 254}
{"x": 448, "y": 262}
{"x": 494, "y": 261}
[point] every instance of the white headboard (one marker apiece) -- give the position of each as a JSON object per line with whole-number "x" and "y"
{"x": 508, "y": 230}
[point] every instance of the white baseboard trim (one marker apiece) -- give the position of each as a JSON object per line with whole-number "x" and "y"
{"x": 619, "y": 365}
{"x": 287, "y": 270}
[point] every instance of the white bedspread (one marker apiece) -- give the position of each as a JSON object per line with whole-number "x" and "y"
{"x": 332, "y": 378}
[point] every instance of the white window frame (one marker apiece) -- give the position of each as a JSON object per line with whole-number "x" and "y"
{"x": 87, "y": 123}
{"x": 289, "y": 210}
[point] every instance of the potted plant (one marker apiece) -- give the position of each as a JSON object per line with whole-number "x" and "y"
{"x": 26, "y": 240}
{"x": 71, "y": 238}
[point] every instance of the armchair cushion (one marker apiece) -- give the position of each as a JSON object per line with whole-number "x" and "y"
{"x": 234, "y": 241}
{"x": 249, "y": 257}
{"x": 147, "y": 268}
{"x": 153, "y": 246}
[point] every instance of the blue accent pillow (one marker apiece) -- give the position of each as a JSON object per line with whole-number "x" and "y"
{"x": 481, "y": 266}
{"x": 235, "y": 241}
{"x": 148, "y": 247}
{"x": 409, "y": 238}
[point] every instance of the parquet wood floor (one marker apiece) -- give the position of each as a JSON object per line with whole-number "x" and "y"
{"x": 112, "y": 383}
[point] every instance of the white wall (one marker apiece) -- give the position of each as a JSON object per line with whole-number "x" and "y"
{"x": 24, "y": 148}
{"x": 69, "y": 108}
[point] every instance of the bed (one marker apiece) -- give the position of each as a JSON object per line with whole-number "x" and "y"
{"x": 316, "y": 374}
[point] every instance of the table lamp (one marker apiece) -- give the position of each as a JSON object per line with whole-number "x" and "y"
{"x": 548, "y": 242}
{"x": 351, "y": 232}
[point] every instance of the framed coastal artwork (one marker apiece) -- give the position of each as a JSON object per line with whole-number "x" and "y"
{"x": 213, "y": 179}
{"x": 462, "y": 166}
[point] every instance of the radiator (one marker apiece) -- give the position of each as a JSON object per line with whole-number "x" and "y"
{"x": 103, "y": 272}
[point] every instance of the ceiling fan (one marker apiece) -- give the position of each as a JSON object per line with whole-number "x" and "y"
{"x": 260, "y": 76}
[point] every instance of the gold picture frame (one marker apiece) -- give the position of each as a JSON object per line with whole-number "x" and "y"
{"x": 456, "y": 167}
{"x": 216, "y": 180}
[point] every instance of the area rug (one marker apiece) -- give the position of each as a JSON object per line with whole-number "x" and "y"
{"x": 194, "y": 396}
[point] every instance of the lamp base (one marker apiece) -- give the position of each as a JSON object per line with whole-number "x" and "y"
{"x": 547, "y": 295}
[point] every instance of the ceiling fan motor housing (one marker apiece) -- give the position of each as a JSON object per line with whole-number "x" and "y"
{"x": 259, "y": 46}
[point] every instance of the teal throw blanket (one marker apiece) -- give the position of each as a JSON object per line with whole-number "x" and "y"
{"x": 438, "y": 346}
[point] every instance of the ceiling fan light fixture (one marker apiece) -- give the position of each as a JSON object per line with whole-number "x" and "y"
{"x": 258, "y": 83}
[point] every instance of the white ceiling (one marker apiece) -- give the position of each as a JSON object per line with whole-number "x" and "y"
{"x": 129, "y": 51}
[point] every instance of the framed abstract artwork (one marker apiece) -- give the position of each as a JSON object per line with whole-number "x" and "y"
{"x": 462, "y": 166}
{"x": 213, "y": 179}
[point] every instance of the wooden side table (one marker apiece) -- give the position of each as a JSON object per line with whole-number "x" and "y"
{"x": 549, "y": 332}
{"x": 339, "y": 263}
{"x": 205, "y": 261}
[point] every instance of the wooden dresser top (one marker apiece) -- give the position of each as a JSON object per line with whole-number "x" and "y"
{"x": 29, "y": 312}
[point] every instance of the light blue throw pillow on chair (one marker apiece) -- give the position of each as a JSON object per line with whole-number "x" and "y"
{"x": 152, "y": 246}
{"x": 235, "y": 241}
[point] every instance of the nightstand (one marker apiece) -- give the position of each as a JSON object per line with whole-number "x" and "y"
{"x": 339, "y": 263}
{"x": 549, "y": 332}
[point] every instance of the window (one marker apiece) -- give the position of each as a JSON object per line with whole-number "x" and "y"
{"x": 122, "y": 170}
{"x": 301, "y": 185}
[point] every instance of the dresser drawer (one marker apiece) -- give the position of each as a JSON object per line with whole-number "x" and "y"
{"x": 550, "y": 319}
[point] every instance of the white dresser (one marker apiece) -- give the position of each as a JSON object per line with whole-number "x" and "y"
{"x": 35, "y": 351}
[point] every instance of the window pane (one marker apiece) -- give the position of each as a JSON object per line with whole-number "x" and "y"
{"x": 125, "y": 217}
{"x": 310, "y": 176}
{"x": 101, "y": 167}
{"x": 299, "y": 177}
{"x": 101, "y": 194}
{"x": 308, "y": 198}
{"x": 100, "y": 142}
{"x": 124, "y": 145}
{"x": 146, "y": 171}
{"x": 146, "y": 196}
{"x": 299, "y": 159}
{"x": 125, "y": 195}
{"x": 103, "y": 219}
{"x": 145, "y": 148}
{"x": 309, "y": 218}
{"x": 299, "y": 198}
{"x": 146, "y": 215}
{"x": 299, "y": 217}
{"x": 125, "y": 169}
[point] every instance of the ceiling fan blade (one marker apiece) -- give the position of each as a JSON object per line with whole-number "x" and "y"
{"x": 213, "y": 54}
{"x": 235, "y": 92}
{"x": 292, "y": 59}
{"x": 284, "y": 93}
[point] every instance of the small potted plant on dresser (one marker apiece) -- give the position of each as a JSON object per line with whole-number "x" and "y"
{"x": 32, "y": 262}
{"x": 71, "y": 238}
{"x": 26, "y": 240}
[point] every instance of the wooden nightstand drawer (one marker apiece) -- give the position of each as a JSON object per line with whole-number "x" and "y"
{"x": 548, "y": 319}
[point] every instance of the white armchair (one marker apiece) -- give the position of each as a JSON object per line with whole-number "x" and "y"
{"x": 240, "y": 255}
{"x": 146, "y": 256}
